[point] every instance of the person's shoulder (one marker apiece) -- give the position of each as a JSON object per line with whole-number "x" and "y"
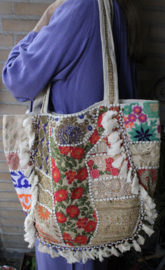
{"x": 81, "y": 4}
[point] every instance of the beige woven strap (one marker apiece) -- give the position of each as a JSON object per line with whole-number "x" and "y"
{"x": 110, "y": 66}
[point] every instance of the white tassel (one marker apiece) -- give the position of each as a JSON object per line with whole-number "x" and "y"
{"x": 109, "y": 115}
{"x": 24, "y": 159}
{"x": 43, "y": 248}
{"x": 110, "y": 125}
{"x": 136, "y": 246}
{"x": 53, "y": 253}
{"x": 113, "y": 137}
{"x": 140, "y": 240}
{"x": 118, "y": 161}
{"x": 149, "y": 219}
{"x": 115, "y": 252}
{"x": 28, "y": 171}
{"x": 84, "y": 257}
{"x": 124, "y": 168}
{"x": 129, "y": 176}
{"x": 135, "y": 184}
{"x": 115, "y": 148}
{"x": 148, "y": 230}
{"x": 124, "y": 247}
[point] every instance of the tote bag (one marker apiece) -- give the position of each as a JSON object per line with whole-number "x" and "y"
{"x": 86, "y": 179}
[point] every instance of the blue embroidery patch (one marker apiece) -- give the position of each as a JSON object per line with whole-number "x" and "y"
{"x": 69, "y": 135}
{"x": 19, "y": 180}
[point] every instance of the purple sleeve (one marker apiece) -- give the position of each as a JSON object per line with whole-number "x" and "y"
{"x": 52, "y": 53}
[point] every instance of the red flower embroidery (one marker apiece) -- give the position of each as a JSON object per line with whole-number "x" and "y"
{"x": 114, "y": 171}
{"x": 95, "y": 173}
{"x": 65, "y": 150}
{"x": 77, "y": 152}
{"x": 82, "y": 174}
{"x": 61, "y": 218}
{"x": 70, "y": 176}
{"x": 94, "y": 138}
{"x": 53, "y": 163}
{"x": 109, "y": 160}
{"x": 56, "y": 174}
{"x": 67, "y": 237}
{"x": 94, "y": 215}
{"x": 72, "y": 211}
{"x": 77, "y": 193}
{"x": 70, "y": 244}
{"x": 61, "y": 195}
{"x": 81, "y": 239}
{"x": 90, "y": 163}
{"x": 12, "y": 160}
{"x": 100, "y": 118}
{"x": 81, "y": 223}
{"x": 91, "y": 226}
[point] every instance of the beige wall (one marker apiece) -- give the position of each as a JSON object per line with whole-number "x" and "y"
{"x": 17, "y": 18}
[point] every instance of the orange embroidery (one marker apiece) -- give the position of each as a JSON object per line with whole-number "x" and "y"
{"x": 43, "y": 212}
{"x": 25, "y": 200}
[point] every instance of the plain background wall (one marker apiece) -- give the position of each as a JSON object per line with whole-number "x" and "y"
{"x": 17, "y": 18}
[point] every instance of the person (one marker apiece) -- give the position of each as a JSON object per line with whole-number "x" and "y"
{"x": 64, "y": 48}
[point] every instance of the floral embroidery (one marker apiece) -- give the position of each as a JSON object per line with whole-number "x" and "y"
{"x": 100, "y": 118}
{"x": 82, "y": 174}
{"x": 43, "y": 212}
{"x": 142, "y": 118}
{"x": 65, "y": 150}
{"x": 12, "y": 160}
{"x": 72, "y": 211}
{"x": 67, "y": 237}
{"x": 61, "y": 218}
{"x": 151, "y": 109}
{"x": 137, "y": 110}
{"x": 143, "y": 132}
{"x": 77, "y": 193}
{"x": 69, "y": 134}
{"x": 77, "y": 152}
{"x": 91, "y": 226}
{"x": 81, "y": 239}
{"x": 132, "y": 117}
{"x": 82, "y": 222}
{"x": 127, "y": 109}
{"x": 95, "y": 137}
{"x": 70, "y": 176}
{"x": 56, "y": 174}
{"x": 61, "y": 195}
{"x": 95, "y": 173}
{"x": 147, "y": 178}
{"x": 114, "y": 171}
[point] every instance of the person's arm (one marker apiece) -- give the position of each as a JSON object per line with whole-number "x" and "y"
{"x": 40, "y": 57}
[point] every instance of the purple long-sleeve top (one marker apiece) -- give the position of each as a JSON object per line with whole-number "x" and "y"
{"x": 68, "y": 53}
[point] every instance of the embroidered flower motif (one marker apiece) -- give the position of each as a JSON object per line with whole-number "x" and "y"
{"x": 151, "y": 109}
{"x": 69, "y": 134}
{"x": 67, "y": 237}
{"x": 90, "y": 163}
{"x": 82, "y": 174}
{"x": 65, "y": 150}
{"x": 77, "y": 152}
{"x": 109, "y": 167}
{"x": 43, "y": 212}
{"x": 137, "y": 110}
{"x": 61, "y": 218}
{"x": 100, "y": 118}
{"x": 77, "y": 193}
{"x": 69, "y": 243}
{"x": 127, "y": 109}
{"x": 61, "y": 195}
{"x": 91, "y": 226}
{"x": 109, "y": 160}
{"x": 94, "y": 215}
{"x": 81, "y": 239}
{"x": 53, "y": 163}
{"x": 142, "y": 117}
{"x": 143, "y": 132}
{"x": 56, "y": 174}
{"x": 70, "y": 176}
{"x": 82, "y": 222}
{"x": 95, "y": 173}
{"x": 72, "y": 211}
{"x": 132, "y": 117}
{"x": 114, "y": 171}
{"x": 94, "y": 137}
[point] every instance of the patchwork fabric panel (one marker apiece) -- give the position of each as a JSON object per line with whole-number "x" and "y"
{"x": 142, "y": 121}
{"x": 42, "y": 144}
{"x": 118, "y": 220}
{"x": 110, "y": 189}
{"x": 148, "y": 179}
{"x": 23, "y": 189}
{"x": 145, "y": 155}
{"x": 46, "y": 225}
{"x": 75, "y": 130}
{"x": 13, "y": 132}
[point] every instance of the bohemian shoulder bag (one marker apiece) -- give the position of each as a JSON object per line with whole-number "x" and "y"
{"x": 86, "y": 180}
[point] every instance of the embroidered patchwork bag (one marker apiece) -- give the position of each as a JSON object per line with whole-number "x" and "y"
{"x": 86, "y": 180}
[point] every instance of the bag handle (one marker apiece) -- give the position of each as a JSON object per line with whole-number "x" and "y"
{"x": 109, "y": 61}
